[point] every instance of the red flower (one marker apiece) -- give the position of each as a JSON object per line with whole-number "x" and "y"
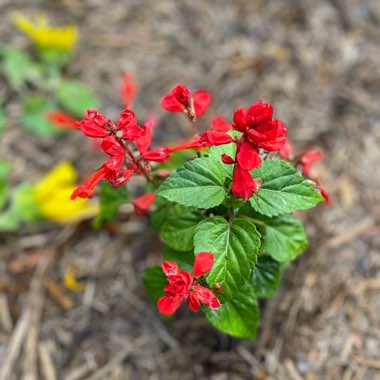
{"x": 143, "y": 142}
{"x": 157, "y": 155}
{"x": 183, "y": 285}
{"x": 220, "y": 124}
{"x": 142, "y": 203}
{"x": 248, "y": 156}
{"x": 93, "y": 124}
{"x": 62, "y": 119}
{"x": 179, "y": 100}
{"x": 308, "y": 159}
{"x": 214, "y": 138}
{"x": 128, "y": 89}
{"x": 243, "y": 185}
{"x": 193, "y": 144}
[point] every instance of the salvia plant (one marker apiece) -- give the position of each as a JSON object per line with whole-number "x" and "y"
{"x": 222, "y": 203}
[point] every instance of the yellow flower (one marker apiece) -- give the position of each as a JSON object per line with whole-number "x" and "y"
{"x": 44, "y": 36}
{"x": 52, "y": 196}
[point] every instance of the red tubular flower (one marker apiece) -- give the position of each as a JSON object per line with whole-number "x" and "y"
{"x": 143, "y": 142}
{"x": 228, "y": 160}
{"x": 201, "y": 102}
{"x": 182, "y": 286}
{"x": 243, "y": 185}
{"x": 308, "y": 159}
{"x": 62, "y": 119}
{"x": 119, "y": 178}
{"x": 93, "y": 124}
{"x": 193, "y": 144}
{"x": 220, "y": 124}
{"x": 157, "y": 155}
{"x": 87, "y": 188}
{"x": 128, "y": 89}
{"x": 142, "y": 203}
{"x": 179, "y": 100}
{"x": 111, "y": 146}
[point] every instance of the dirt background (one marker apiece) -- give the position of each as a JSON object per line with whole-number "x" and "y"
{"x": 317, "y": 62}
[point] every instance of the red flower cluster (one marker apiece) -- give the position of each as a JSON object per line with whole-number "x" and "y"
{"x": 183, "y": 285}
{"x": 258, "y": 130}
{"x": 179, "y": 100}
{"x": 122, "y": 163}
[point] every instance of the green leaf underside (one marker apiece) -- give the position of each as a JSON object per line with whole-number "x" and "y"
{"x": 283, "y": 190}
{"x": 154, "y": 281}
{"x": 111, "y": 198}
{"x": 178, "y": 228}
{"x": 266, "y": 277}
{"x": 239, "y": 317}
{"x": 235, "y": 248}
{"x": 185, "y": 260}
{"x": 284, "y": 238}
{"x": 199, "y": 183}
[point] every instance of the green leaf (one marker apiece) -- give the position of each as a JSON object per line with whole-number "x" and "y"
{"x": 266, "y": 277}
{"x": 238, "y": 317}
{"x": 9, "y": 220}
{"x": 216, "y": 152}
{"x": 76, "y": 98}
{"x": 33, "y": 116}
{"x": 235, "y": 248}
{"x": 4, "y": 188}
{"x": 284, "y": 237}
{"x": 23, "y": 203}
{"x": 198, "y": 183}
{"x": 185, "y": 260}
{"x": 18, "y": 67}
{"x": 178, "y": 226}
{"x": 283, "y": 190}
{"x": 111, "y": 198}
{"x": 154, "y": 281}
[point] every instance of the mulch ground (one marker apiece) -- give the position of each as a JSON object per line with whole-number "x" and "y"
{"x": 318, "y": 63}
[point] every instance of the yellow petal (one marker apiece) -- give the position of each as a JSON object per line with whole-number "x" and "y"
{"x": 70, "y": 281}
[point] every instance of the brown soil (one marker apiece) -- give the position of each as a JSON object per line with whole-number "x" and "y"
{"x": 317, "y": 62}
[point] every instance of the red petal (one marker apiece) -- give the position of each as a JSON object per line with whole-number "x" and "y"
{"x": 170, "y": 103}
{"x": 243, "y": 185}
{"x": 227, "y": 159}
{"x": 259, "y": 112}
{"x": 168, "y": 305}
{"x": 170, "y": 268}
{"x": 128, "y": 89}
{"x": 193, "y": 301}
{"x": 110, "y": 146}
{"x": 201, "y": 101}
{"x": 203, "y": 263}
{"x": 214, "y": 138}
{"x": 157, "y": 155}
{"x": 87, "y": 188}
{"x": 114, "y": 162}
{"x": 206, "y": 296}
{"x": 182, "y": 94}
{"x": 93, "y": 124}
{"x": 240, "y": 120}
{"x": 325, "y": 195}
{"x": 248, "y": 156}
{"x": 127, "y": 119}
{"x": 220, "y": 124}
{"x": 309, "y": 158}
{"x": 119, "y": 178}
{"x": 194, "y": 144}
{"x": 143, "y": 142}
{"x": 142, "y": 203}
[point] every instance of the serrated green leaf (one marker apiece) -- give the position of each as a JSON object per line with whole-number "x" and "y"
{"x": 178, "y": 228}
{"x": 154, "y": 281}
{"x": 33, "y": 116}
{"x": 235, "y": 248}
{"x": 185, "y": 260}
{"x": 18, "y": 67}
{"x": 284, "y": 237}
{"x": 75, "y": 97}
{"x": 111, "y": 198}
{"x": 216, "y": 152}
{"x": 283, "y": 189}
{"x": 238, "y": 317}
{"x": 198, "y": 183}
{"x": 266, "y": 277}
